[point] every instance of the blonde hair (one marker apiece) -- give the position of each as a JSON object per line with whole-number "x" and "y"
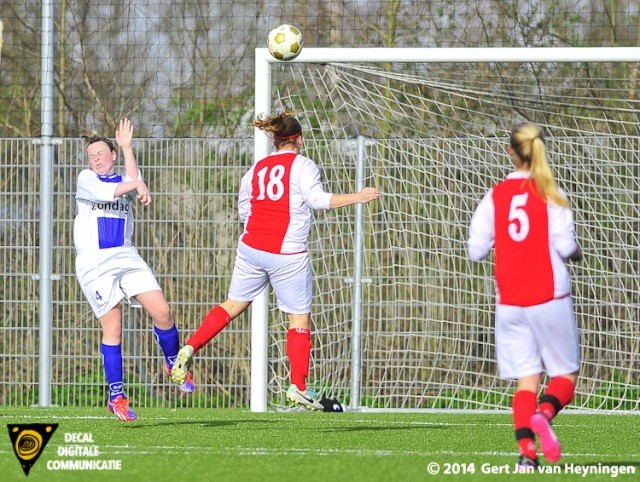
{"x": 527, "y": 141}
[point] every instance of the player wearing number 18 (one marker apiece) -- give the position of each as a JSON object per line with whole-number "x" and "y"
{"x": 275, "y": 202}
{"x": 526, "y": 219}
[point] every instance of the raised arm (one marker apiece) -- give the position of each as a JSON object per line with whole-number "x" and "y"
{"x": 124, "y": 136}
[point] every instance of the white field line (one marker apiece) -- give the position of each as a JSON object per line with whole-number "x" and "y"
{"x": 332, "y": 451}
{"x": 128, "y": 450}
{"x": 60, "y": 417}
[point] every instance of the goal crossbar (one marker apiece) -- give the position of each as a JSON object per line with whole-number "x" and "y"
{"x": 471, "y": 54}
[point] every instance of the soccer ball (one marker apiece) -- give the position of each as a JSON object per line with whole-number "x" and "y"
{"x": 285, "y": 42}
{"x": 331, "y": 405}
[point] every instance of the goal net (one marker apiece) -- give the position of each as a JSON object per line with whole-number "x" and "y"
{"x": 434, "y": 137}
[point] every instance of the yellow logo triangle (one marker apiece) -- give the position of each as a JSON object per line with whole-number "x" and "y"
{"x": 29, "y": 440}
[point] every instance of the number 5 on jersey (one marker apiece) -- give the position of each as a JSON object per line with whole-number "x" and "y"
{"x": 520, "y": 229}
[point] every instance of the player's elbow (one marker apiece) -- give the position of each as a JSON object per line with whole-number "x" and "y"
{"x": 570, "y": 252}
{"x": 476, "y": 254}
{"x": 576, "y": 255}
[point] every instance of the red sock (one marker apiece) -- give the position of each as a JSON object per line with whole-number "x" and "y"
{"x": 212, "y": 324}
{"x": 299, "y": 353}
{"x": 524, "y": 407}
{"x": 557, "y": 395}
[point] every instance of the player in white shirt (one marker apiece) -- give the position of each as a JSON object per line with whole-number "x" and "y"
{"x": 108, "y": 266}
{"x": 276, "y": 201}
{"x": 526, "y": 219}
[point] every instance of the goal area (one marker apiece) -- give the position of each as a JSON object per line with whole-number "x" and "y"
{"x": 401, "y": 318}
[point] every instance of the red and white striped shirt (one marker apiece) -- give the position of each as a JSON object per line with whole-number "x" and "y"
{"x": 531, "y": 237}
{"x": 275, "y": 202}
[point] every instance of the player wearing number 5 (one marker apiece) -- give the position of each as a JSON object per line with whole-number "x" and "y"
{"x": 276, "y": 201}
{"x": 526, "y": 219}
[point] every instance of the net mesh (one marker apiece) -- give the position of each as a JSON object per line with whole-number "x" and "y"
{"x": 436, "y": 139}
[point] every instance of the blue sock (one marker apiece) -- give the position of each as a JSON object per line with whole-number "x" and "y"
{"x": 169, "y": 342}
{"x": 112, "y": 361}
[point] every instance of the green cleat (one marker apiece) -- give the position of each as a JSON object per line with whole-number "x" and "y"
{"x": 180, "y": 370}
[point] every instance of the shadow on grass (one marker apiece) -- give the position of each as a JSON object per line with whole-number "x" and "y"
{"x": 200, "y": 423}
{"x": 378, "y": 428}
{"x": 255, "y": 424}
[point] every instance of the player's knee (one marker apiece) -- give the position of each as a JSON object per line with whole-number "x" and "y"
{"x": 162, "y": 316}
{"x": 160, "y": 313}
{"x": 111, "y": 335}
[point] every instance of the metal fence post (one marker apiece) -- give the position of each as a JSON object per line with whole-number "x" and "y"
{"x": 46, "y": 205}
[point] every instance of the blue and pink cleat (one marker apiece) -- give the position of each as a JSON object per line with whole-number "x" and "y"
{"x": 119, "y": 406}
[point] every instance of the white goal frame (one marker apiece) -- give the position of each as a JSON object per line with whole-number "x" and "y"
{"x": 263, "y": 103}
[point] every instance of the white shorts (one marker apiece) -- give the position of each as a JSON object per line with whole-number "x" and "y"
{"x": 536, "y": 338}
{"x": 289, "y": 275}
{"x": 105, "y": 282}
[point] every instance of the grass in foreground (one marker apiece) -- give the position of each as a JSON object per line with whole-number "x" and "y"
{"x": 235, "y": 445}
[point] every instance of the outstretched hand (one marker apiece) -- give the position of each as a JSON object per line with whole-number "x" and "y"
{"x": 369, "y": 194}
{"x": 124, "y": 133}
{"x": 364, "y": 196}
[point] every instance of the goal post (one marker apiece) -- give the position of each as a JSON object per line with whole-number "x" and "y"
{"x": 435, "y": 124}
{"x": 259, "y": 308}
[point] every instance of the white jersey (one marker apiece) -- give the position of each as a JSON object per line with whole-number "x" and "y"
{"x": 276, "y": 201}
{"x": 108, "y": 266}
{"x": 103, "y": 221}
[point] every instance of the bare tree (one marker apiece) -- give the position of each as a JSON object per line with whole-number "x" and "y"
{"x": 19, "y": 77}
{"x": 211, "y": 72}
{"x": 186, "y": 68}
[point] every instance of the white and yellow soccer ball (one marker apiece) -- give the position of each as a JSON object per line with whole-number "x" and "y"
{"x": 285, "y": 42}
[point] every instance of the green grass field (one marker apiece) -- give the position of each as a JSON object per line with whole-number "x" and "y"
{"x": 237, "y": 445}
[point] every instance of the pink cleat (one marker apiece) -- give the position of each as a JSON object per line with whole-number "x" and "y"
{"x": 549, "y": 444}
